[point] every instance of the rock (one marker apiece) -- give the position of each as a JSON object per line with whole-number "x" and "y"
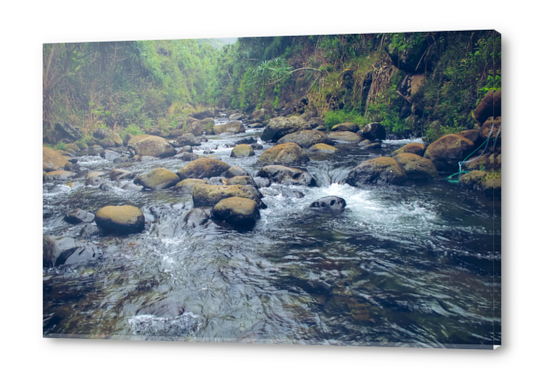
{"x": 331, "y": 204}
{"x": 127, "y": 139}
{"x": 368, "y": 144}
{"x": 241, "y": 181}
{"x": 110, "y": 155}
{"x": 189, "y": 157}
{"x": 256, "y": 146}
{"x": 207, "y": 125}
{"x": 120, "y": 219}
{"x": 64, "y": 250}
{"x": 186, "y": 149}
{"x": 152, "y": 146}
{"x": 235, "y": 171}
{"x": 209, "y": 195}
{"x": 241, "y": 151}
{"x": 316, "y": 122}
{"x": 105, "y": 186}
{"x": 489, "y": 106}
{"x": 412, "y": 148}
{"x": 323, "y": 148}
{"x": 89, "y": 230}
{"x": 283, "y": 154}
{"x": 102, "y": 133}
{"x": 79, "y": 216}
{"x": 247, "y": 140}
{"x": 383, "y": 170}
{"x": 195, "y": 217}
{"x": 119, "y": 174}
{"x": 345, "y": 127}
{"x": 236, "y": 116}
{"x": 66, "y": 131}
{"x": 176, "y": 133}
{"x": 494, "y": 162}
{"x": 492, "y": 188}
{"x": 416, "y": 167}
{"x": 476, "y": 163}
{"x": 305, "y": 138}
{"x": 236, "y": 211}
{"x": 280, "y": 126}
{"x": 473, "y": 135}
{"x": 448, "y": 150}
{"x": 188, "y": 140}
{"x": 59, "y": 175}
{"x": 485, "y": 130}
{"x": 345, "y": 137}
{"x": 112, "y": 140}
{"x": 187, "y": 185}
{"x": 472, "y": 180}
{"x": 93, "y": 178}
{"x": 210, "y": 112}
{"x": 230, "y": 127}
{"x": 121, "y": 159}
{"x": 374, "y": 131}
{"x": 203, "y": 168}
{"x": 52, "y": 160}
{"x": 286, "y": 175}
{"x": 157, "y": 179}
{"x": 259, "y": 115}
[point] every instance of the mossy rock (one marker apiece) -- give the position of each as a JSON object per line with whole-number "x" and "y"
{"x": 477, "y": 163}
{"x": 412, "y": 148}
{"x": 241, "y": 181}
{"x": 448, "y": 150}
{"x": 230, "y": 127}
{"x": 153, "y": 146}
{"x": 345, "y": 137}
{"x": 283, "y": 154}
{"x": 383, "y": 170}
{"x": 52, "y": 160}
{"x": 279, "y": 127}
{"x": 187, "y": 185}
{"x": 323, "y": 148}
{"x": 345, "y": 127}
{"x": 416, "y": 167}
{"x": 306, "y": 138}
{"x": 472, "y": 180}
{"x": 120, "y": 219}
{"x": 59, "y": 175}
{"x": 157, "y": 179}
{"x": 492, "y": 188}
{"x": 203, "y": 168}
{"x": 242, "y": 151}
{"x": 209, "y": 195}
{"x": 238, "y": 212}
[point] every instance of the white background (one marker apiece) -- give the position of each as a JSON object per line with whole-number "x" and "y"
{"x": 26, "y": 25}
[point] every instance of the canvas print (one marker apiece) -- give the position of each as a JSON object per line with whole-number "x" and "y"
{"x": 314, "y": 189}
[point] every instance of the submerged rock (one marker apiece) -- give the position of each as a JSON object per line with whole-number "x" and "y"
{"x": 121, "y": 219}
{"x": 283, "y": 154}
{"x": 203, "y": 168}
{"x": 157, "y": 179}
{"x": 236, "y": 211}
{"x": 332, "y": 204}
{"x": 286, "y": 175}
{"x": 383, "y": 170}
{"x": 79, "y": 216}
{"x": 64, "y": 250}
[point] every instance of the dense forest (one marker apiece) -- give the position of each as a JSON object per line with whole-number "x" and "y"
{"x": 417, "y": 83}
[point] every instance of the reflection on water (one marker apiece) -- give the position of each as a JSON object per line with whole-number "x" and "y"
{"x": 402, "y": 266}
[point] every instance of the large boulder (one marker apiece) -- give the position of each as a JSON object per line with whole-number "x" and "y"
{"x": 209, "y": 194}
{"x": 120, "y": 219}
{"x": 305, "y": 138}
{"x": 345, "y": 127}
{"x": 230, "y": 127}
{"x": 188, "y": 139}
{"x": 416, "y": 167}
{"x": 280, "y": 126}
{"x": 332, "y": 204}
{"x": 64, "y": 250}
{"x": 412, "y": 148}
{"x": 241, "y": 151}
{"x": 383, "y": 170}
{"x": 203, "y": 168}
{"x": 67, "y": 132}
{"x": 286, "y": 175}
{"x": 153, "y": 146}
{"x": 187, "y": 186}
{"x": 489, "y": 106}
{"x": 52, "y": 160}
{"x": 374, "y": 131}
{"x": 283, "y": 154}
{"x": 238, "y": 212}
{"x": 344, "y": 137}
{"x": 448, "y": 150}
{"x": 157, "y": 179}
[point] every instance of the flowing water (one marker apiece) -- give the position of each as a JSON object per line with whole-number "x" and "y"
{"x": 402, "y": 266}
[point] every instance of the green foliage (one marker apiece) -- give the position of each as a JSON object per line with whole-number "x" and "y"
{"x": 338, "y": 117}
{"x": 132, "y": 129}
{"x": 60, "y": 146}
